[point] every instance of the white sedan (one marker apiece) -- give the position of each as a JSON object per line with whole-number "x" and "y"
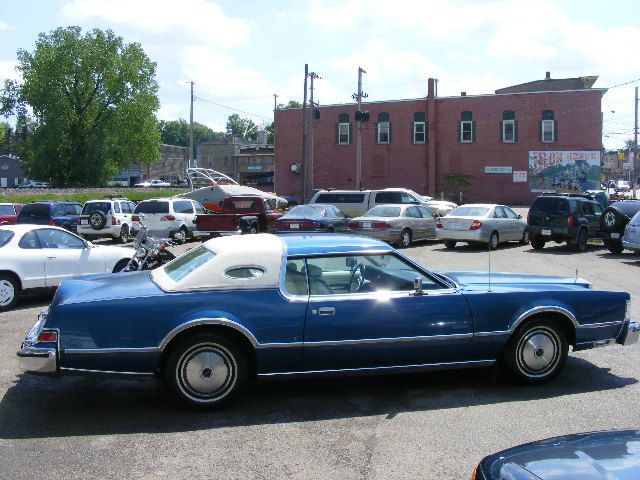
{"x": 153, "y": 183}
{"x": 35, "y": 257}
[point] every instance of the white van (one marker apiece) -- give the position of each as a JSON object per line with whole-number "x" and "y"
{"x": 356, "y": 202}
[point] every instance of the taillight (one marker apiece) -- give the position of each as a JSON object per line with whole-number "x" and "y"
{"x": 135, "y": 218}
{"x": 113, "y": 220}
{"x": 476, "y": 225}
{"x": 355, "y": 225}
{"x": 280, "y": 224}
{"x": 569, "y": 221}
{"x": 52, "y": 222}
{"x": 381, "y": 225}
{"x": 528, "y": 218}
{"x": 439, "y": 223}
{"x": 47, "y": 336}
{"x": 167, "y": 218}
{"x": 78, "y": 221}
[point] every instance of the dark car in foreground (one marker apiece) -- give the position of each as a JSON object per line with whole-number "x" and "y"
{"x": 276, "y": 306}
{"x": 312, "y": 218}
{"x": 613, "y": 221}
{"x": 571, "y": 218}
{"x": 606, "y": 455}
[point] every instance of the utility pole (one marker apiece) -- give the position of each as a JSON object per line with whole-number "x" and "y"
{"x": 304, "y": 137}
{"x": 275, "y": 99}
{"x": 635, "y": 142}
{"x": 358, "y": 96}
{"x": 312, "y": 106}
{"x": 189, "y": 163}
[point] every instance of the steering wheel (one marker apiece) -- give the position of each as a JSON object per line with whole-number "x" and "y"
{"x": 356, "y": 281}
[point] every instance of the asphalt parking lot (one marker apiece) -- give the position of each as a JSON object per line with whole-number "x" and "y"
{"x": 433, "y": 426}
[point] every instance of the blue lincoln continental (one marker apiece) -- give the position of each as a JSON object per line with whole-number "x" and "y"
{"x": 265, "y": 306}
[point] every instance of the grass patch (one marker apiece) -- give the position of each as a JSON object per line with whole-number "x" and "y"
{"x": 82, "y": 197}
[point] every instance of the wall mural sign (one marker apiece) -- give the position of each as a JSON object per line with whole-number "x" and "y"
{"x": 564, "y": 171}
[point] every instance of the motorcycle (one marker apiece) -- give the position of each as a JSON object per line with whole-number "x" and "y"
{"x": 151, "y": 252}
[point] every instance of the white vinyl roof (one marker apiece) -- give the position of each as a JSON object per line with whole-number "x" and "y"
{"x": 263, "y": 251}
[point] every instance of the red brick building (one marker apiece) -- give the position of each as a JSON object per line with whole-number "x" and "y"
{"x": 490, "y": 147}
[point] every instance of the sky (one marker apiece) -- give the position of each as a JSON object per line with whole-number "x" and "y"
{"x": 240, "y": 53}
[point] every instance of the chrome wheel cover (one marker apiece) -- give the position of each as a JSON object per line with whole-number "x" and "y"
{"x": 95, "y": 220}
{"x": 206, "y": 372}
{"x": 7, "y": 292}
{"x": 525, "y": 237}
{"x": 493, "y": 240}
{"x": 405, "y": 239}
{"x": 609, "y": 219}
{"x": 538, "y": 352}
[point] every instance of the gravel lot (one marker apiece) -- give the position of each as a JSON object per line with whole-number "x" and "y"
{"x": 433, "y": 426}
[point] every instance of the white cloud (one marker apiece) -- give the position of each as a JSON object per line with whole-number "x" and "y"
{"x": 8, "y": 71}
{"x": 5, "y": 26}
{"x": 200, "y": 19}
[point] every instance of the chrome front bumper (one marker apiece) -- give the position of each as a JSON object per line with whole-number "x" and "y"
{"x": 629, "y": 334}
{"x": 38, "y": 360}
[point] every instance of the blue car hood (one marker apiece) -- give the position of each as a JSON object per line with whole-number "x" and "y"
{"x": 598, "y": 455}
{"x": 107, "y": 286}
{"x": 481, "y": 280}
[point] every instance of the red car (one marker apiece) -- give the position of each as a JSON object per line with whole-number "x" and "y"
{"x": 9, "y": 213}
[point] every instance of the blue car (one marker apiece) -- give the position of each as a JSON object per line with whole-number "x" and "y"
{"x": 265, "y": 305}
{"x": 55, "y": 213}
{"x": 312, "y": 218}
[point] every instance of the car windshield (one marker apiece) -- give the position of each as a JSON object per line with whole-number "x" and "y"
{"x": 5, "y": 236}
{"x": 187, "y": 263}
{"x": 309, "y": 211}
{"x": 383, "y": 212}
{"x": 152, "y": 207}
{"x": 635, "y": 220}
{"x": 92, "y": 207}
{"x": 550, "y": 205}
{"x": 7, "y": 210}
{"x": 468, "y": 211}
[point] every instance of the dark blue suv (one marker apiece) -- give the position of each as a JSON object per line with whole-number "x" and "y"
{"x": 60, "y": 214}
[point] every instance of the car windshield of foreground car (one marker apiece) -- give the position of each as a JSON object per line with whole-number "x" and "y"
{"x": 187, "y": 263}
{"x": 550, "y": 205}
{"x": 7, "y": 210}
{"x": 465, "y": 211}
{"x": 5, "y": 236}
{"x": 305, "y": 211}
{"x": 152, "y": 207}
{"x": 635, "y": 220}
{"x": 383, "y": 212}
{"x": 92, "y": 207}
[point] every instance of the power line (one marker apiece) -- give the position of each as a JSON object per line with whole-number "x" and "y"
{"x": 231, "y": 108}
{"x": 625, "y": 83}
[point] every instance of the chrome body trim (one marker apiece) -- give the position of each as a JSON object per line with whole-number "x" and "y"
{"x": 83, "y": 371}
{"x": 497, "y": 333}
{"x": 367, "y": 341}
{"x": 423, "y": 366}
{"x": 601, "y": 325}
{"x": 81, "y": 351}
{"x": 543, "y": 309}
{"x": 38, "y": 360}
{"x": 208, "y": 321}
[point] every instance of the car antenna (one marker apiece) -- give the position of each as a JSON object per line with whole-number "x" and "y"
{"x": 489, "y": 266}
{"x": 575, "y": 280}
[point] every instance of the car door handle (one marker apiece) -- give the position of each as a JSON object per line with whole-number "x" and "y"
{"x": 326, "y": 311}
{"x": 51, "y": 257}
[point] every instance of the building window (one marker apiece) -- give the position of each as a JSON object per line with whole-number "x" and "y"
{"x": 210, "y": 160}
{"x": 383, "y": 128}
{"x": 508, "y": 132}
{"x": 548, "y": 127}
{"x": 226, "y": 160}
{"x": 419, "y": 134}
{"x": 343, "y": 129}
{"x": 466, "y": 130}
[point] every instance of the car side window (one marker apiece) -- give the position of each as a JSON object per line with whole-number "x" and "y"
{"x": 587, "y": 208}
{"x": 406, "y": 198}
{"x": 116, "y": 207}
{"x": 50, "y": 238}
{"x": 295, "y": 279}
{"x": 60, "y": 210}
{"x": 413, "y": 212}
{"x": 510, "y": 213}
{"x": 426, "y": 213}
{"x": 199, "y": 208}
{"x": 499, "y": 213}
{"x": 182, "y": 206}
{"x": 597, "y": 208}
{"x": 29, "y": 241}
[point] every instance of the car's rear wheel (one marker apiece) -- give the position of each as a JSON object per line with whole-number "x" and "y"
{"x": 205, "y": 370}
{"x": 493, "y": 241}
{"x": 580, "y": 243}
{"x": 253, "y": 229}
{"x": 9, "y": 291}
{"x": 450, "y": 244}
{"x": 181, "y": 237}
{"x": 525, "y": 237}
{"x": 120, "y": 265}
{"x": 124, "y": 235}
{"x": 536, "y": 352}
{"x": 405, "y": 238}
{"x": 537, "y": 243}
{"x": 614, "y": 246}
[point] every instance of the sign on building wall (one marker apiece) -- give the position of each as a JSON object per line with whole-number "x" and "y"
{"x": 520, "y": 176}
{"x": 564, "y": 170}
{"x": 498, "y": 169}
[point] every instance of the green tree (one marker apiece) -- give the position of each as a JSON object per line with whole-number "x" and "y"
{"x": 243, "y": 128}
{"x": 271, "y": 132}
{"x": 93, "y": 97}
{"x": 291, "y": 104}
{"x": 176, "y": 132}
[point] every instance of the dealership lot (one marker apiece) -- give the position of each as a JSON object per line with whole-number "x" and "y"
{"x": 435, "y": 425}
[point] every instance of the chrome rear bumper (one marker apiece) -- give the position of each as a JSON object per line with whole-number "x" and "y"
{"x": 38, "y": 360}
{"x": 629, "y": 334}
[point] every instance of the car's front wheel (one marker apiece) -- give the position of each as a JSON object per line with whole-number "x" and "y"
{"x": 537, "y": 243}
{"x": 123, "y": 237}
{"x": 536, "y": 352}
{"x": 122, "y": 263}
{"x": 614, "y": 246}
{"x": 580, "y": 243}
{"x": 450, "y": 244}
{"x": 205, "y": 370}
{"x": 9, "y": 291}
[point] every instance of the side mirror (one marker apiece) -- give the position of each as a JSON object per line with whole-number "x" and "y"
{"x": 417, "y": 286}
{"x": 519, "y": 217}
